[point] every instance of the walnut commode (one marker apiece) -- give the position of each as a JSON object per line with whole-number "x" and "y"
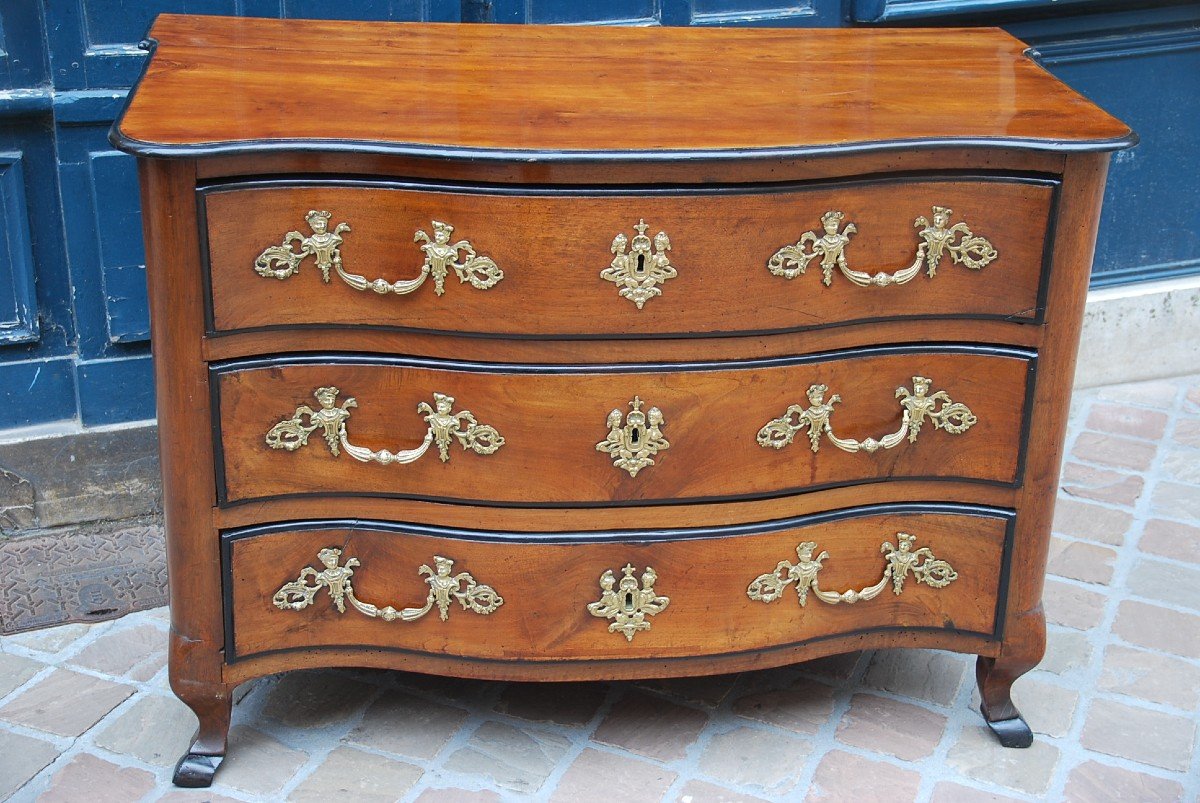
{"x": 603, "y": 358}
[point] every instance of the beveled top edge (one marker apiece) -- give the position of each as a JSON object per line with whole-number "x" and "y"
{"x": 230, "y": 146}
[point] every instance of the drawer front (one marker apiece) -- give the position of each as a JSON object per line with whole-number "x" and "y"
{"x": 686, "y": 593}
{"x": 567, "y": 266}
{"x": 601, "y": 435}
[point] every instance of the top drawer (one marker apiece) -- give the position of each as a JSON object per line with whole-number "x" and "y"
{"x": 571, "y": 263}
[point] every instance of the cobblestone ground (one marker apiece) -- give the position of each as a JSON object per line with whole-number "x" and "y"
{"x": 86, "y": 715}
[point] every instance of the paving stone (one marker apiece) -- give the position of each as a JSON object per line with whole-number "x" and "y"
{"x": 15, "y": 671}
{"x": 950, "y": 792}
{"x": 1077, "y": 560}
{"x": 411, "y": 726}
{"x": 651, "y": 726}
{"x": 195, "y": 796}
{"x": 1072, "y": 606}
{"x": 927, "y": 675}
{"x": 1182, "y": 465}
{"x": 1166, "y": 582}
{"x": 1091, "y": 522}
{"x": 1156, "y": 393}
{"x": 1187, "y": 433}
{"x": 1150, "y": 626}
{"x": 1067, "y": 651}
{"x": 464, "y": 691}
{"x": 1093, "y": 782}
{"x": 843, "y": 776}
{"x": 116, "y": 653}
{"x": 709, "y": 690}
{"x": 606, "y": 776}
{"x": 1150, "y": 737}
{"x": 1122, "y": 419}
{"x": 1049, "y": 709}
{"x": 258, "y": 764}
{"x": 95, "y": 780}
{"x": 703, "y": 792}
{"x": 21, "y": 758}
{"x": 883, "y": 725}
{"x": 50, "y": 640}
{"x": 563, "y": 703}
{"x": 1193, "y": 398}
{"x": 354, "y": 775}
{"x": 315, "y": 698}
{"x": 1171, "y": 539}
{"x": 155, "y": 729}
{"x": 978, "y": 755}
{"x": 65, "y": 703}
{"x": 803, "y": 707}
{"x": 1101, "y": 485}
{"x": 1176, "y": 500}
{"x": 756, "y": 758}
{"x": 515, "y": 759}
{"x": 449, "y": 795}
{"x": 1110, "y": 450}
{"x": 1150, "y": 676}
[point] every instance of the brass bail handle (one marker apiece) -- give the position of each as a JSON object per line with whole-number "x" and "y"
{"x": 324, "y": 245}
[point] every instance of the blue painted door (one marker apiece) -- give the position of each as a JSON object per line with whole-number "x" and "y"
{"x": 73, "y": 320}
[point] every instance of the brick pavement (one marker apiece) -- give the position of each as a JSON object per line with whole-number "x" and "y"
{"x": 86, "y": 715}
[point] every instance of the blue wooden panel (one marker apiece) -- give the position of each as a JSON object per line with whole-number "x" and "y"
{"x": 606, "y": 11}
{"x": 112, "y": 391}
{"x": 18, "y": 301}
{"x": 1144, "y": 68}
{"x": 380, "y": 10}
{"x": 914, "y": 10}
{"x": 22, "y": 57}
{"x": 36, "y": 392}
{"x": 118, "y": 230}
{"x": 762, "y": 12}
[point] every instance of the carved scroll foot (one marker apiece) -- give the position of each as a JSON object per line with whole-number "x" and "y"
{"x": 195, "y": 771}
{"x": 997, "y": 675}
{"x": 213, "y": 706}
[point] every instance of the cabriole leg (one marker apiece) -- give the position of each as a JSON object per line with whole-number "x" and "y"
{"x": 213, "y": 706}
{"x": 996, "y": 676}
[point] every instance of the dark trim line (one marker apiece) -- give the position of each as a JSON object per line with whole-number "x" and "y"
{"x": 1000, "y": 619}
{"x": 229, "y": 537}
{"x": 217, "y": 369}
{"x": 1037, "y": 317}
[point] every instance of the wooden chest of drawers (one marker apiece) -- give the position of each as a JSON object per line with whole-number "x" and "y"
{"x": 532, "y": 353}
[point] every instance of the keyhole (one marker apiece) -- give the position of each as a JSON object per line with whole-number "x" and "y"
{"x": 628, "y": 601}
{"x": 634, "y": 437}
{"x": 641, "y": 264}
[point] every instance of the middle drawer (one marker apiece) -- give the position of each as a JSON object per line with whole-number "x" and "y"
{"x": 571, "y": 436}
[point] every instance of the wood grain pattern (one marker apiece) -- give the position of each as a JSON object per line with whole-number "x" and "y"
{"x": 546, "y": 588}
{"x": 562, "y": 90}
{"x": 552, "y": 422}
{"x": 553, "y": 248}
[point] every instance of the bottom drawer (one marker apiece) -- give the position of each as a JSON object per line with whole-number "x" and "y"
{"x": 615, "y": 595}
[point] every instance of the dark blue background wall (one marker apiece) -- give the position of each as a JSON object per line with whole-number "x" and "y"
{"x": 73, "y": 323}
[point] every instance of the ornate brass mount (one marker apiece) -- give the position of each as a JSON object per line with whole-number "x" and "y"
{"x": 444, "y": 425}
{"x": 634, "y": 443}
{"x": 900, "y": 560}
{"x": 627, "y": 604}
{"x": 444, "y": 588}
{"x": 937, "y": 239}
{"x": 638, "y": 271}
{"x": 951, "y": 416}
{"x": 281, "y": 261}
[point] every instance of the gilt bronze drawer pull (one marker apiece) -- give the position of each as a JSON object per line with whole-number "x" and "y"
{"x": 636, "y": 269}
{"x": 634, "y": 442}
{"x": 937, "y": 238}
{"x": 628, "y": 604}
{"x": 444, "y": 588}
{"x": 281, "y": 261}
{"x": 917, "y": 405}
{"x": 900, "y": 560}
{"x": 444, "y": 426}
